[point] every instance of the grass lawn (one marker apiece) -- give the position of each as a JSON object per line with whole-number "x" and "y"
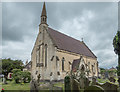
{"x": 13, "y": 86}
{"x": 59, "y": 84}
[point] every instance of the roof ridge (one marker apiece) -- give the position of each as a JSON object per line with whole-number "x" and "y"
{"x": 68, "y": 43}
{"x": 89, "y": 49}
{"x": 65, "y": 35}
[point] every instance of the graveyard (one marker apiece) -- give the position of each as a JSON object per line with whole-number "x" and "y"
{"x": 75, "y": 81}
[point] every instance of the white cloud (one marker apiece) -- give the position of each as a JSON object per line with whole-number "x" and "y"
{"x": 79, "y": 28}
{"x": 95, "y": 22}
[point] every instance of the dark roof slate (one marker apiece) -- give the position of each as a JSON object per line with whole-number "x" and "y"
{"x": 70, "y": 44}
{"x": 75, "y": 64}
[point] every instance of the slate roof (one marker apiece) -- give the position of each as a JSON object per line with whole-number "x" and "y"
{"x": 70, "y": 44}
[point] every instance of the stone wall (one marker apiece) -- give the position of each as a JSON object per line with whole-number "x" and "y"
{"x": 53, "y": 70}
{"x": 69, "y": 57}
{"x": 42, "y": 70}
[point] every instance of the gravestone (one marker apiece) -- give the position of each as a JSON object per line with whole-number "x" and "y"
{"x": 33, "y": 86}
{"x": 86, "y": 82}
{"x": 74, "y": 85}
{"x": 67, "y": 84}
{"x": 93, "y": 81}
{"x": 106, "y": 74}
{"x": 111, "y": 79}
{"x": 109, "y": 87}
{"x": 82, "y": 83}
{"x": 94, "y": 88}
{"x": 38, "y": 80}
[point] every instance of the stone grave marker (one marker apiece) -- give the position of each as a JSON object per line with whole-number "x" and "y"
{"x": 94, "y": 88}
{"x": 111, "y": 79}
{"x": 109, "y": 87}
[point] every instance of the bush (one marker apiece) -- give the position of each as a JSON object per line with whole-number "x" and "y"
{"x": 26, "y": 77}
{"x": 17, "y": 75}
{"x": 20, "y": 76}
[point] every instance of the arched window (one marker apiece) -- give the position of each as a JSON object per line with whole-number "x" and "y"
{"x": 45, "y": 55}
{"x": 37, "y": 56}
{"x": 39, "y": 52}
{"x": 43, "y": 18}
{"x": 63, "y": 59}
{"x": 57, "y": 59}
{"x": 89, "y": 65}
{"x": 82, "y": 68}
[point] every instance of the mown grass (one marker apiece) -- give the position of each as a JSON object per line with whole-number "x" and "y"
{"x": 13, "y": 86}
{"x": 59, "y": 84}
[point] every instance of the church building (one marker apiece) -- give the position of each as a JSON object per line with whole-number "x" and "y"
{"x": 55, "y": 54}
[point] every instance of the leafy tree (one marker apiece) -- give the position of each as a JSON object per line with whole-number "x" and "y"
{"x": 26, "y": 76}
{"x": 20, "y": 76}
{"x": 17, "y": 75}
{"x": 116, "y": 45}
{"x": 102, "y": 69}
{"x": 8, "y": 65}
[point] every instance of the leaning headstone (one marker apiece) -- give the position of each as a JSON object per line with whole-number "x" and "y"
{"x": 82, "y": 83}
{"x": 74, "y": 85}
{"x": 94, "y": 88}
{"x": 109, "y": 87}
{"x": 87, "y": 82}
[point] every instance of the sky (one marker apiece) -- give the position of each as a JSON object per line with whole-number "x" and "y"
{"x": 95, "y": 22}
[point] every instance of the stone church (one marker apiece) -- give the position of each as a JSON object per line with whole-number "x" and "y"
{"x": 55, "y": 54}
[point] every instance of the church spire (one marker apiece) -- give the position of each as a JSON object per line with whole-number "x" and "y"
{"x": 44, "y": 15}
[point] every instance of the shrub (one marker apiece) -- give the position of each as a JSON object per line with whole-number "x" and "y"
{"x": 26, "y": 76}
{"x": 20, "y": 76}
{"x": 17, "y": 75}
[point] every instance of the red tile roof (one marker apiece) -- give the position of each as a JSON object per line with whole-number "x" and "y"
{"x": 70, "y": 44}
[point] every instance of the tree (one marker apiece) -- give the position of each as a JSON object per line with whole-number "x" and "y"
{"x": 116, "y": 45}
{"x": 8, "y": 65}
{"x": 20, "y": 76}
{"x": 26, "y": 76}
{"x": 17, "y": 75}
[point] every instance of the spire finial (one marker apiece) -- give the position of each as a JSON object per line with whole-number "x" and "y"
{"x": 44, "y": 10}
{"x": 44, "y": 15}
